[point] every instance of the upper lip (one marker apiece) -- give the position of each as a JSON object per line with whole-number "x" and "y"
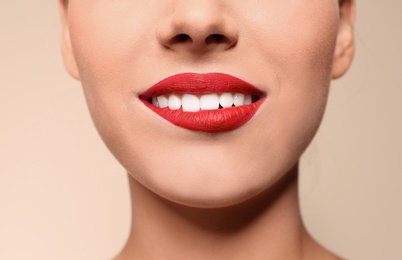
{"x": 195, "y": 83}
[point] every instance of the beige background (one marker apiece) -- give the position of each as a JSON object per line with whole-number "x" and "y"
{"x": 63, "y": 196}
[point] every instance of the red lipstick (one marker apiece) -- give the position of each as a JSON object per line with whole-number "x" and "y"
{"x": 212, "y": 121}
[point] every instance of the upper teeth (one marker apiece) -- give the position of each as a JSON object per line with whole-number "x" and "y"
{"x": 194, "y": 103}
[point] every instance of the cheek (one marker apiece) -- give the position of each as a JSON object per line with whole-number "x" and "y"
{"x": 295, "y": 54}
{"x": 111, "y": 41}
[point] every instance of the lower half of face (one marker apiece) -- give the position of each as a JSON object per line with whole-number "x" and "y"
{"x": 283, "y": 48}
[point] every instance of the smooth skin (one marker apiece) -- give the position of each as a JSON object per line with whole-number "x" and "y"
{"x": 230, "y": 195}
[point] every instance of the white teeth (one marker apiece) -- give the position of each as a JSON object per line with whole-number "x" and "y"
{"x": 194, "y": 103}
{"x": 174, "y": 102}
{"x": 190, "y": 103}
{"x": 209, "y": 102}
{"x": 155, "y": 101}
{"x": 162, "y": 101}
{"x": 247, "y": 99}
{"x": 238, "y": 99}
{"x": 226, "y": 100}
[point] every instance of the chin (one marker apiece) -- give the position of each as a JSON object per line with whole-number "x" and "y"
{"x": 215, "y": 195}
{"x": 211, "y": 181}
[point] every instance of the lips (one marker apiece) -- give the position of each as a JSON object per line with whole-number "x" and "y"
{"x": 212, "y": 102}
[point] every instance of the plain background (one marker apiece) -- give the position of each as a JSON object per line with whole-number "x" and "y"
{"x": 63, "y": 196}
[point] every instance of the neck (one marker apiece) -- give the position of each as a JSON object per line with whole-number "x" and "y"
{"x": 268, "y": 226}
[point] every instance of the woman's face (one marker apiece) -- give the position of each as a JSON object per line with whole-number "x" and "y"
{"x": 285, "y": 49}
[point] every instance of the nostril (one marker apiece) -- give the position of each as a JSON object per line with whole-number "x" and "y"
{"x": 180, "y": 38}
{"x": 215, "y": 38}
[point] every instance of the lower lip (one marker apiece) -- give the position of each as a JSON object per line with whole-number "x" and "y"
{"x": 211, "y": 121}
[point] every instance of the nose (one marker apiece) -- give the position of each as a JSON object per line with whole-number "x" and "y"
{"x": 198, "y": 26}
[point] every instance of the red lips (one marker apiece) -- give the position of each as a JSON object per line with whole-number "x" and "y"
{"x": 212, "y": 121}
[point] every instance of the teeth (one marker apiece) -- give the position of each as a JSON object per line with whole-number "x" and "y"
{"x": 155, "y": 101}
{"x": 174, "y": 102}
{"x": 194, "y": 103}
{"x": 162, "y": 101}
{"x": 238, "y": 99}
{"x": 190, "y": 103}
{"x": 209, "y": 102}
{"x": 248, "y": 99}
{"x": 226, "y": 100}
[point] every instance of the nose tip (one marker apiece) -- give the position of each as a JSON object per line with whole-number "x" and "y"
{"x": 200, "y": 27}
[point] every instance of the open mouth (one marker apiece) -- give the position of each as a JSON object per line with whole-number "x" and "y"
{"x": 212, "y": 102}
{"x": 195, "y": 103}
